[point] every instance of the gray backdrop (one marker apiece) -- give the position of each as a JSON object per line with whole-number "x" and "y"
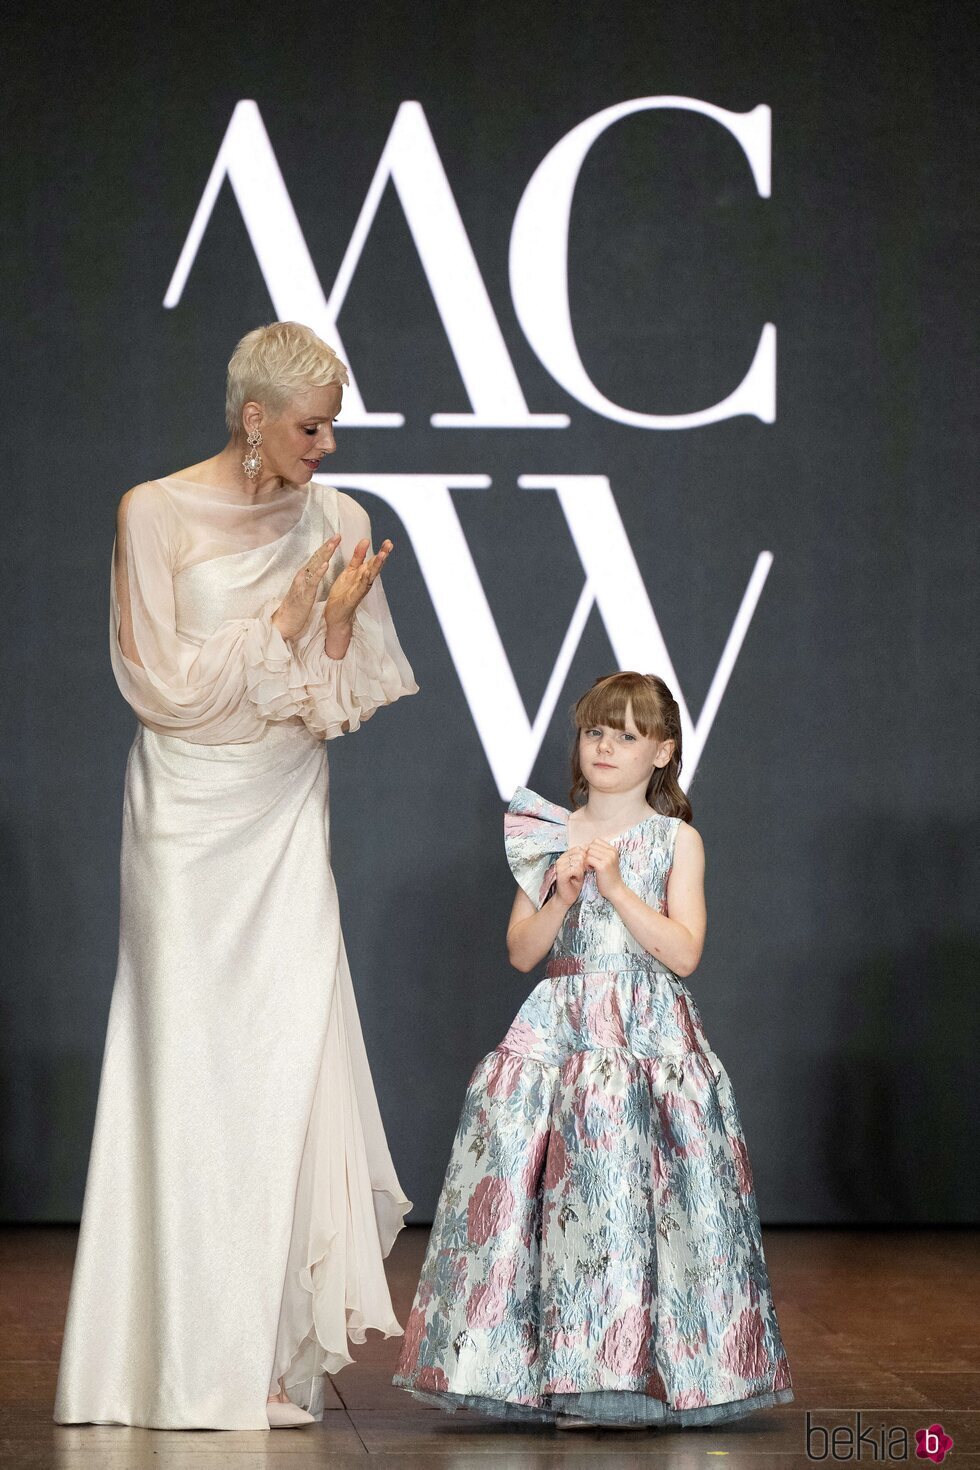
{"x": 837, "y": 794}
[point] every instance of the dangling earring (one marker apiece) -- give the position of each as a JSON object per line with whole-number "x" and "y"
{"x": 252, "y": 463}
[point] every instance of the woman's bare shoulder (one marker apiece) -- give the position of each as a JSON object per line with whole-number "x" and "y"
{"x": 145, "y": 490}
{"x": 147, "y": 496}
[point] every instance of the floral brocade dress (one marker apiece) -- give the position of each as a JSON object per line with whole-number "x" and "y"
{"x": 596, "y": 1249}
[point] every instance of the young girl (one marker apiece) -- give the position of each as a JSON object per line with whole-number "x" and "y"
{"x": 596, "y": 1254}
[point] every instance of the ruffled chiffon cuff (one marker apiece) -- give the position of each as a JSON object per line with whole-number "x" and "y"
{"x": 345, "y": 691}
{"x": 274, "y": 678}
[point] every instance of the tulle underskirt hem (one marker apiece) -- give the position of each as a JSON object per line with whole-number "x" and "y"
{"x": 605, "y": 1406}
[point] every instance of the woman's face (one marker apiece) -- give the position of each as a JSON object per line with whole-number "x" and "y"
{"x": 620, "y": 760}
{"x": 294, "y": 442}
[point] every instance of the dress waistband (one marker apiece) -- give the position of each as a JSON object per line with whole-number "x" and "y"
{"x": 589, "y": 964}
{"x": 290, "y": 732}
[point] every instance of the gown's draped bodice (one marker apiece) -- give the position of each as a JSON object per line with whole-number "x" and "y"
{"x": 238, "y": 583}
{"x": 197, "y": 576}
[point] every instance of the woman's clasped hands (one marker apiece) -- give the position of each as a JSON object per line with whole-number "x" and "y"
{"x": 347, "y": 592}
{"x": 570, "y": 870}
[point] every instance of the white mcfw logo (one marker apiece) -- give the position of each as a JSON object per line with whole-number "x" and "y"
{"x": 539, "y": 286}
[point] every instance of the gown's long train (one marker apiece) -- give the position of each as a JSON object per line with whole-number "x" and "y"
{"x": 240, "y": 1195}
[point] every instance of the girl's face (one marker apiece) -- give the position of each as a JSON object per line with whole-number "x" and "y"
{"x": 296, "y": 440}
{"x": 620, "y": 760}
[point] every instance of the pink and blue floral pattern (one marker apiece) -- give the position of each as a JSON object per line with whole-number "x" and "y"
{"x": 596, "y": 1249}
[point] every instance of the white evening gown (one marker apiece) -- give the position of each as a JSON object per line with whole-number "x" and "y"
{"x": 240, "y": 1193}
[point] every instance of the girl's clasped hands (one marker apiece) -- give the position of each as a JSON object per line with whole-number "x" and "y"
{"x": 571, "y": 868}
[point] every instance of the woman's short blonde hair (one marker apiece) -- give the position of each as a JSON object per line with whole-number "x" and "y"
{"x": 273, "y": 364}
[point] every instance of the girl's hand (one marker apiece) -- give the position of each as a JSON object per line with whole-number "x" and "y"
{"x": 603, "y": 859}
{"x": 570, "y": 875}
{"x": 291, "y": 615}
{"x": 353, "y": 584}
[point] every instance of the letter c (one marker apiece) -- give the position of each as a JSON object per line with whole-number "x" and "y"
{"x": 539, "y": 266}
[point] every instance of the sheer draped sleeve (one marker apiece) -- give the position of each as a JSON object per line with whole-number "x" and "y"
{"x": 342, "y": 693}
{"x": 224, "y": 689}
{"x": 225, "y": 682}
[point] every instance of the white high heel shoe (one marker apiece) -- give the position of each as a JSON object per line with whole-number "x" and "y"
{"x": 287, "y": 1416}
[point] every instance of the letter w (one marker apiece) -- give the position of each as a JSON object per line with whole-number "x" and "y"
{"x": 613, "y": 583}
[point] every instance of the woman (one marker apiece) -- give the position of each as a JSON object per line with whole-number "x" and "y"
{"x": 240, "y": 1195}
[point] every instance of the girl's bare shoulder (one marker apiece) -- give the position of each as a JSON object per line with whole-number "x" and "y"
{"x": 688, "y": 843}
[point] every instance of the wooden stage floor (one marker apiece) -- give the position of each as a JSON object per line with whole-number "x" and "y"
{"x": 881, "y": 1323}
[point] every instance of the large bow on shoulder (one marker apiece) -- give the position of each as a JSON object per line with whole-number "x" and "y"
{"x": 535, "y": 835}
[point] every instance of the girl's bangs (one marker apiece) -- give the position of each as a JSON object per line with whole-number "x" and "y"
{"x": 607, "y": 703}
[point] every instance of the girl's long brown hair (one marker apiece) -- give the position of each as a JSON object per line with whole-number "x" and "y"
{"x": 655, "y": 713}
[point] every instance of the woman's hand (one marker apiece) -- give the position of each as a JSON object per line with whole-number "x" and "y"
{"x": 353, "y": 585}
{"x": 603, "y": 859}
{"x": 292, "y": 614}
{"x": 570, "y": 874}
